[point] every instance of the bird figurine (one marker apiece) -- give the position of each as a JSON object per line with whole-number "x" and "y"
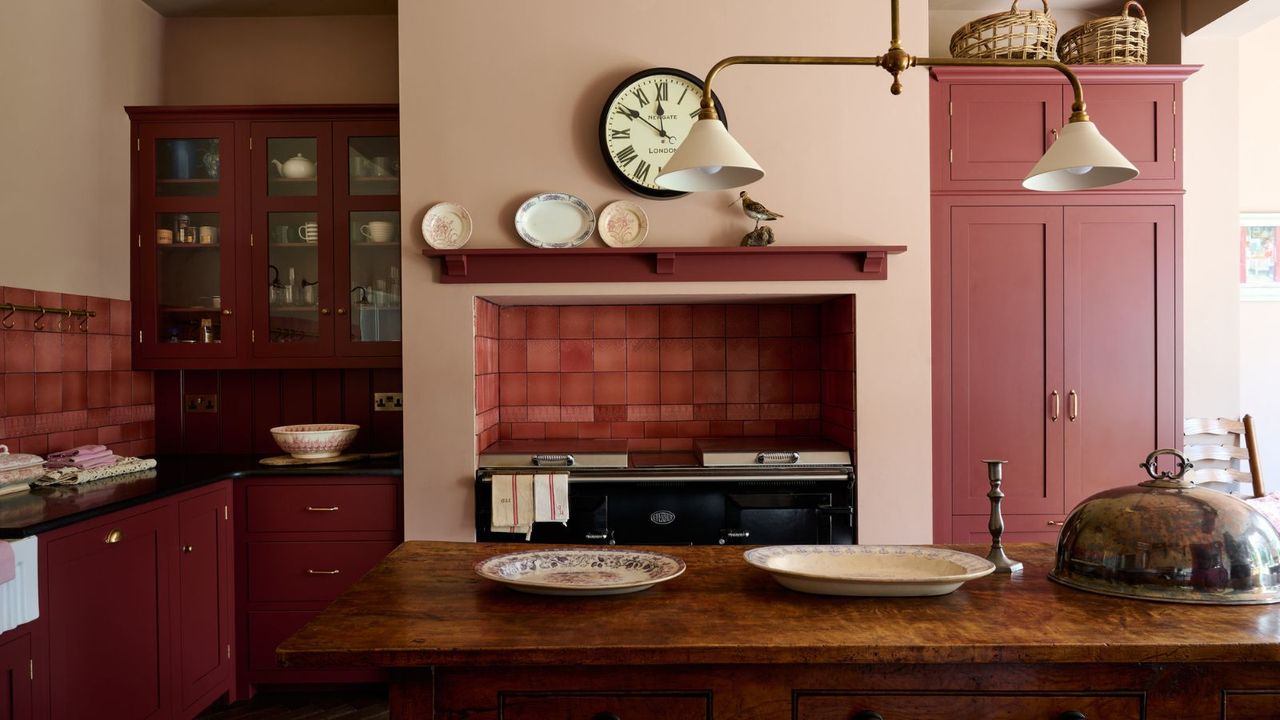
{"x": 754, "y": 210}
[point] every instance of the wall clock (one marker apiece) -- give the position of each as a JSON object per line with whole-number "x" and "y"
{"x": 643, "y": 122}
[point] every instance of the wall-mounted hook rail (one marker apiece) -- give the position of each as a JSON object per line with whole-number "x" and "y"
{"x": 67, "y": 313}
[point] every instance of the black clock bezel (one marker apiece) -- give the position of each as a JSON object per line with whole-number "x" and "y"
{"x": 618, "y": 174}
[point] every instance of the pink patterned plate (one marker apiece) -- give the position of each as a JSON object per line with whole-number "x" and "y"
{"x": 580, "y": 571}
{"x": 446, "y": 226}
{"x": 623, "y": 224}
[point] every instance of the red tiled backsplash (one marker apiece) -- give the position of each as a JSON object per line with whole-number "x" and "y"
{"x": 62, "y": 387}
{"x": 251, "y": 402}
{"x": 663, "y": 375}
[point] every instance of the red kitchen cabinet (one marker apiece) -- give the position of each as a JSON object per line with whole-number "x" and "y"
{"x": 16, "y": 680}
{"x": 300, "y": 542}
{"x": 1006, "y": 341}
{"x": 204, "y": 613}
{"x": 1057, "y": 348}
{"x": 266, "y": 237}
{"x": 991, "y": 125}
{"x": 108, "y": 618}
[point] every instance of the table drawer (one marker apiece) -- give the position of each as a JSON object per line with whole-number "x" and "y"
{"x": 948, "y": 707}
{"x": 323, "y": 508}
{"x": 1251, "y": 705}
{"x": 309, "y": 571}
{"x": 593, "y": 706}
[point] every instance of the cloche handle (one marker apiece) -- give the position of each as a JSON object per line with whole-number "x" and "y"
{"x": 1184, "y": 465}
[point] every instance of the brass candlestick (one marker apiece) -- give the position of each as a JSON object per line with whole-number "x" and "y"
{"x": 1002, "y": 562}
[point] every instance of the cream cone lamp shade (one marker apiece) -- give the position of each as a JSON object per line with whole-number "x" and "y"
{"x": 1081, "y": 159}
{"x": 709, "y": 159}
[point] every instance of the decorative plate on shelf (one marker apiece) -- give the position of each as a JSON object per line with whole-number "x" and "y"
{"x": 623, "y": 224}
{"x": 555, "y": 220}
{"x": 446, "y": 226}
{"x": 578, "y": 571}
{"x": 869, "y": 570}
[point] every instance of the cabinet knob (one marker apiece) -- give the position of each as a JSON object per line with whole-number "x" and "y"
{"x": 868, "y": 715}
{"x": 324, "y": 311}
{"x": 188, "y": 548}
{"x": 1073, "y": 715}
{"x": 605, "y": 716}
{"x": 342, "y": 311}
{"x": 227, "y": 311}
{"x": 113, "y": 537}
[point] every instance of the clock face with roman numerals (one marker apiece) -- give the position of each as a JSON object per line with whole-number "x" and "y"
{"x": 644, "y": 121}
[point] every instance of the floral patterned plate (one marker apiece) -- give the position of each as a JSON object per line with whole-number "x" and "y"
{"x": 623, "y": 224}
{"x": 446, "y": 226}
{"x": 869, "y": 570}
{"x": 579, "y": 571}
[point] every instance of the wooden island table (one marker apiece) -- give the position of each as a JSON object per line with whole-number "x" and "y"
{"x": 725, "y": 641}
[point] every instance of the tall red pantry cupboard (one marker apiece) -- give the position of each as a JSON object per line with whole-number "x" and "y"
{"x": 1057, "y": 317}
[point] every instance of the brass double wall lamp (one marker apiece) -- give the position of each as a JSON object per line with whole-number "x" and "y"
{"x": 711, "y": 159}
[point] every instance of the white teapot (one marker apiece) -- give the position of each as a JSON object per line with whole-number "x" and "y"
{"x": 297, "y": 167}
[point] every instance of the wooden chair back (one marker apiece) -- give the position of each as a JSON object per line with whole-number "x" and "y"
{"x": 1225, "y": 455}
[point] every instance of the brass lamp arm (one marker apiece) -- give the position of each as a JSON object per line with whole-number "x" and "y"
{"x": 895, "y": 61}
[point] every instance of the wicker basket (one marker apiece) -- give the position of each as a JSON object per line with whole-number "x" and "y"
{"x": 1115, "y": 40}
{"x": 1025, "y": 35}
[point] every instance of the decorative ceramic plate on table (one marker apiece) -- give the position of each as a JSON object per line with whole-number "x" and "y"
{"x": 623, "y": 224}
{"x": 446, "y": 226}
{"x": 555, "y": 220}
{"x": 869, "y": 570}
{"x": 578, "y": 571}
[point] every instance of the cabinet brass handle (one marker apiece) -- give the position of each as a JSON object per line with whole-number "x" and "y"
{"x": 342, "y": 311}
{"x": 331, "y": 508}
{"x": 227, "y": 311}
{"x": 188, "y": 548}
{"x": 114, "y": 537}
{"x": 323, "y": 572}
{"x": 324, "y": 311}
{"x": 1055, "y": 523}
{"x": 1075, "y": 405}
{"x": 1057, "y": 405}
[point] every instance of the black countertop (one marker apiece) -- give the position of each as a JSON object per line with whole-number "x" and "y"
{"x": 43, "y": 509}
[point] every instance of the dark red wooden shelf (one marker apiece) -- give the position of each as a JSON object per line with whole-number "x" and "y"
{"x": 665, "y": 264}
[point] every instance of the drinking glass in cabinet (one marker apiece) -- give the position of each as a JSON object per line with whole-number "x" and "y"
{"x": 374, "y": 165}
{"x": 189, "y": 277}
{"x": 187, "y": 167}
{"x": 293, "y": 277}
{"x": 375, "y": 276}
{"x": 292, "y": 167}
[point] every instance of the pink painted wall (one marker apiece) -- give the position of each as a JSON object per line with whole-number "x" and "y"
{"x": 273, "y": 60}
{"x": 69, "y": 68}
{"x": 497, "y": 106}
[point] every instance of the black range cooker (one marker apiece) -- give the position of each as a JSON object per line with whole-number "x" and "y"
{"x": 766, "y": 491}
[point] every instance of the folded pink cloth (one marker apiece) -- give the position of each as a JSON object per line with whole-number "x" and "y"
{"x": 83, "y": 464}
{"x": 81, "y": 451}
{"x": 8, "y": 567}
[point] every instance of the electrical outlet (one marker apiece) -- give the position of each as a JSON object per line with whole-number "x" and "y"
{"x": 388, "y": 402}
{"x": 201, "y": 403}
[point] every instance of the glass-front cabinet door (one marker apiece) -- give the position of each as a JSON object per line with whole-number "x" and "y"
{"x": 293, "y": 239}
{"x": 186, "y": 241}
{"x": 367, "y": 214}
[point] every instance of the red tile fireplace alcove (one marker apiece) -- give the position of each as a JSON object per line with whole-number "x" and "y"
{"x": 664, "y": 374}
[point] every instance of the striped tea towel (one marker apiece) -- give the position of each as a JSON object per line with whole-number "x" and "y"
{"x": 512, "y": 504}
{"x": 551, "y": 498}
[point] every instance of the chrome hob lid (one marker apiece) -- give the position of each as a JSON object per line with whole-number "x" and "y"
{"x": 1166, "y": 539}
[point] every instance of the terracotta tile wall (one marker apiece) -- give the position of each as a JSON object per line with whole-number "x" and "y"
{"x": 251, "y": 402}
{"x": 664, "y": 375}
{"x": 64, "y": 387}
